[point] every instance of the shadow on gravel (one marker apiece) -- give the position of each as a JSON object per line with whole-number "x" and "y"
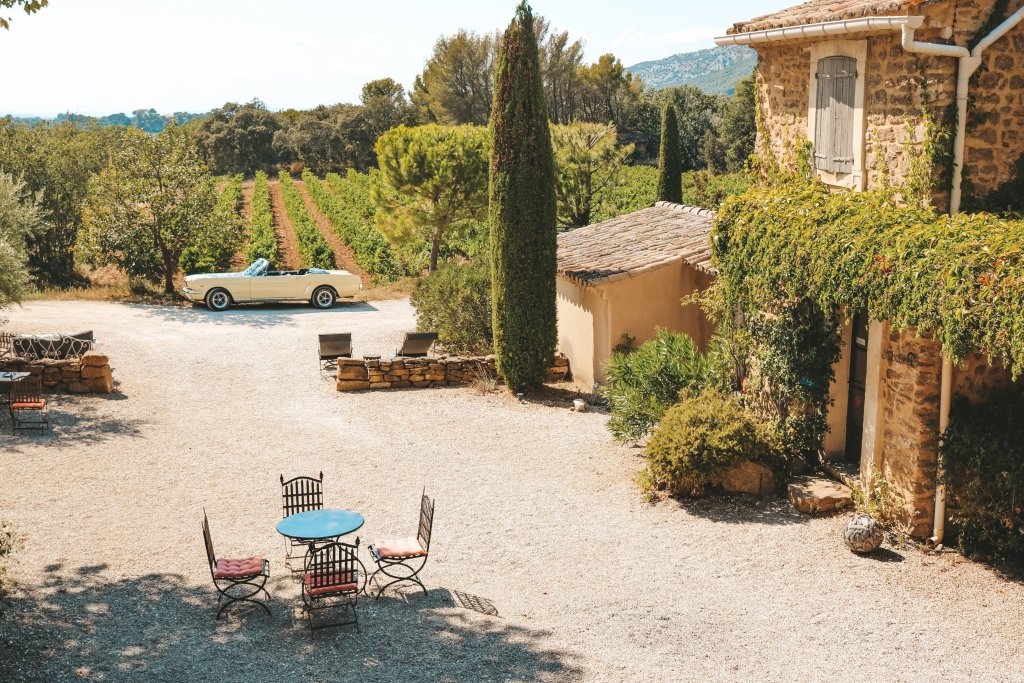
{"x": 82, "y": 623}
{"x": 249, "y": 315}
{"x": 76, "y": 422}
{"x": 743, "y": 509}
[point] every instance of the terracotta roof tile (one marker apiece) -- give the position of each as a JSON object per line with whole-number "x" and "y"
{"x": 635, "y": 243}
{"x": 819, "y": 11}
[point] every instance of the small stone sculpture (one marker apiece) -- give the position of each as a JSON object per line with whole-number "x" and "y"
{"x": 863, "y": 534}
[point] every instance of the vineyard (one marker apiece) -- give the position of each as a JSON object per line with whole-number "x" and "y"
{"x": 262, "y": 239}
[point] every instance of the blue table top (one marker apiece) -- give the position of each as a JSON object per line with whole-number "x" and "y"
{"x": 319, "y": 524}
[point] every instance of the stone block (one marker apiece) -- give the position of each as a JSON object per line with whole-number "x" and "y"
{"x": 748, "y": 476}
{"x": 100, "y": 385}
{"x": 419, "y": 384}
{"x": 351, "y": 362}
{"x": 352, "y": 385}
{"x": 353, "y": 372}
{"x": 95, "y": 359}
{"x": 94, "y": 371}
{"x": 815, "y": 494}
{"x": 380, "y": 385}
{"x": 401, "y": 384}
{"x": 78, "y": 388}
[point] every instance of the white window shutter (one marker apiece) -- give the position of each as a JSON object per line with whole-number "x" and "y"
{"x": 833, "y": 130}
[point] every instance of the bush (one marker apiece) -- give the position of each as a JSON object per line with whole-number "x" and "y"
{"x": 9, "y": 542}
{"x": 700, "y": 438}
{"x": 643, "y": 384}
{"x": 262, "y": 239}
{"x": 707, "y": 190}
{"x": 455, "y": 302}
{"x": 983, "y": 456}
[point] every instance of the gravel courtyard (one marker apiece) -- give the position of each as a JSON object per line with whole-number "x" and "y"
{"x": 537, "y": 515}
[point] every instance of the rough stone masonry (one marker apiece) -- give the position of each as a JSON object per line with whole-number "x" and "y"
{"x": 356, "y": 374}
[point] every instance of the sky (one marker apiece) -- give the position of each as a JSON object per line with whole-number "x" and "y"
{"x": 100, "y": 57}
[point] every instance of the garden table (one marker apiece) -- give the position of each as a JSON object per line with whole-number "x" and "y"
{"x": 319, "y": 525}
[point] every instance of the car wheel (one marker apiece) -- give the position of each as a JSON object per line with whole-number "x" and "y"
{"x": 323, "y": 297}
{"x": 218, "y": 300}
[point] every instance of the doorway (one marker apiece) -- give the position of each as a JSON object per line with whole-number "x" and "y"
{"x": 858, "y": 386}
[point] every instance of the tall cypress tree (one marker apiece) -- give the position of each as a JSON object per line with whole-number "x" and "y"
{"x": 670, "y": 166}
{"x": 523, "y": 211}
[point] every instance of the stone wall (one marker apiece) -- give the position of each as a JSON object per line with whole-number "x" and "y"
{"x": 978, "y": 380}
{"x": 356, "y": 374}
{"x": 89, "y": 374}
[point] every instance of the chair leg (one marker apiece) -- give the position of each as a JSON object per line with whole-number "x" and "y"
{"x": 229, "y": 599}
{"x": 410, "y": 574}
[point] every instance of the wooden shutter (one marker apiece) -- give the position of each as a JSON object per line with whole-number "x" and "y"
{"x": 833, "y": 127}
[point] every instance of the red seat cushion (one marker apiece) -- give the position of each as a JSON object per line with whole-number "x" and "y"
{"x": 239, "y": 569}
{"x": 405, "y": 547}
{"x": 29, "y": 405}
{"x": 323, "y": 584}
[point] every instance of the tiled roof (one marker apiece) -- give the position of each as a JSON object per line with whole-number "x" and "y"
{"x": 638, "y": 242}
{"x": 819, "y": 11}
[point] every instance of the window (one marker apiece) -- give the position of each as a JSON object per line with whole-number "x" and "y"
{"x": 836, "y": 80}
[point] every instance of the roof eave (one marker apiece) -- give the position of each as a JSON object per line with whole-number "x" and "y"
{"x": 821, "y": 30}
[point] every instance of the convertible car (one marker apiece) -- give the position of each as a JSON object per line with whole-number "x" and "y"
{"x": 258, "y": 283}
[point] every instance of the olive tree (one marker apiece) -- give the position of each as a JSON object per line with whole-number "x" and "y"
{"x": 20, "y": 219}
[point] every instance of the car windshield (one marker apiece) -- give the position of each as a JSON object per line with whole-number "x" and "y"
{"x": 258, "y": 267}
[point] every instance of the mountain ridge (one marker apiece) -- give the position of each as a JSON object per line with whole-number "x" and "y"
{"x": 714, "y": 70}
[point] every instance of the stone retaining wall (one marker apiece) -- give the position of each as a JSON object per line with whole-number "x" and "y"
{"x": 89, "y": 374}
{"x": 355, "y": 374}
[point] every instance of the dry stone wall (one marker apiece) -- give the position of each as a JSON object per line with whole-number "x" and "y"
{"x": 356, "y": 374}
{"x": 90, "y": 374}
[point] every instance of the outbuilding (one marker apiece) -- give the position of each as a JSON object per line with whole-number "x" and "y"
{"x": 624, "y": 278}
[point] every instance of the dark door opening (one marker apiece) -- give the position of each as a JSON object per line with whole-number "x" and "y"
{"x": 858, "y": 385}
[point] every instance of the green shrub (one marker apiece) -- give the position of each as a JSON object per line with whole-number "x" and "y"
{"x": 455, "y": 302}
{"x": 636, "y": 189}
{"x": 262, "y": 239}
{"x": 983, "y": 457}
{"x": 9, "y": 542}
{"x": 215, "y": 248}
{"x": 700, "y": 438}
{"x": 643, "y": 384}
{"x": 314, "y": 250}
{"x": 707, "y": 190}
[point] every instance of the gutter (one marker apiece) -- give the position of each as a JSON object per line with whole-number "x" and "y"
{"x": 823, "y": 30}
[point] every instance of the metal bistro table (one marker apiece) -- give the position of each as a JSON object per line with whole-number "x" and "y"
{"x": 7, "y": 380}
{"x": 316, "y": 526}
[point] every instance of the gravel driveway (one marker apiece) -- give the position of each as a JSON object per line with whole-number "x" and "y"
{"x": 537, "y": 515}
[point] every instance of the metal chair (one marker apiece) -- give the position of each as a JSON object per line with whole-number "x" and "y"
{"x": 333, "y": 347}
{"x": 6, "y": 344}
{"x": 249, "y": 575}
{"x": 333, "y": 578}
{"x": 416, "y": 344}
{"x": 27, "y": 405}
{"x": 402, "y": 560}
{"x": 300, "y": 494}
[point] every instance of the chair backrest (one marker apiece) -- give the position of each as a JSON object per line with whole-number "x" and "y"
{"x": 426, "y": 521}
{"x": 335, "y": 345}
{"x": 6, "y": 343}
{"x": 334, "y": 566}
{"x": 417, "y": 344}
{"x": 211, "y": 557}
{"x": 27, "y": 390}
{"x": 302, "y": 494}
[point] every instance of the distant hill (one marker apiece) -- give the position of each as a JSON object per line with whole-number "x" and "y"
{"x": 148, "y": 120}
{"x": 715, "y": 70}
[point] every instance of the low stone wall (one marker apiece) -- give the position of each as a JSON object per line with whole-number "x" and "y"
{"x": 89, "y": 374}
{"x": 356, "y": 374}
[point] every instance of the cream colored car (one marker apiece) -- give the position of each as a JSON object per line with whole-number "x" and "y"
{"x": 258, "y": 283}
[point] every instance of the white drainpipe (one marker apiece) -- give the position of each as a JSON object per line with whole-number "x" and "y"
{"x": 970, "y": 60}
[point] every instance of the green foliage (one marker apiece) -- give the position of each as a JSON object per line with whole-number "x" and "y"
{"x": 641, "y": 385}
{"x": 955, "y": 277}
{"x": 737, "y": 131}
{"x": 983, "y": 456}
{"x": 314, "y": 250}
{"x": 262, "y": 238}
{"x": 700, "y": 438}
{"x": 670, "y": 167}
{"x": 30, "y": 7}
{"x": 589, "y": 163}
{"x": 238, "y": 138}
{"x": 637, "y": 189}
{"x": 707, "y": 190}
{"x": 523, "y": 212}
{"x": 154, "y": 200}
{"x": 432, "y": 183}
{"x": 457, "y": 83}
{"x": 455, "y": 302}
{"x": 211, "y": 251}
{"x": 20, "y": 219}
{"x": 10, "y": 541}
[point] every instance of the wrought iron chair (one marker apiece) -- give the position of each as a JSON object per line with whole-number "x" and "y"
{"x": 333, "y": 347}
{"x": 402, "y": 560}
{"x": 300, "y": 494}
{"x": 236, "y": 580}
{"x": 27, "y": 405}
{"x": 416, "y": 344}
{"x": 6, "y": 344}
{"x": 333, "y": 578}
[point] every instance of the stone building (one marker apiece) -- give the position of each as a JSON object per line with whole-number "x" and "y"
{"x": 868, "y": 82}
{"x": 626, "y": 276}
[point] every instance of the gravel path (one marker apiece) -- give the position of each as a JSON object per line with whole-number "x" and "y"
{"x": 536, "y": 513}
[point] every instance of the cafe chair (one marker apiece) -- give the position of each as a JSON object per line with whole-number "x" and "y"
{"x": 300, "y": 494}
{"x": 27, "y": 405}
{"x": 402, "y": 560}
{"x": 236, "y": 580}
{"x": 333, "y": 578}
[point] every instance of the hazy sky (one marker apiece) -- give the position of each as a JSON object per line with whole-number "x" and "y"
{"x": 105, "y": 56}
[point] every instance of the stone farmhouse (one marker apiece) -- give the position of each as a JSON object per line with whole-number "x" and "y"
{"x": 862, "y": 80}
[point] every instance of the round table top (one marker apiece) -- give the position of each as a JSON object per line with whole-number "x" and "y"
{"x": 319, "y": 524}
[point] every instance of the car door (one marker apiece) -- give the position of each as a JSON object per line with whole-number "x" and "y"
{"x": 266, "y": 286}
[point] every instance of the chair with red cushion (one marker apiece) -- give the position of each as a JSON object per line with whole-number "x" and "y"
{"x": 333, "y": 578}
{"x": 236, "y": 580}
{"x": 300, "y": 494}
{"x": 27, "y": 406}
{"x": 403, "y": 559}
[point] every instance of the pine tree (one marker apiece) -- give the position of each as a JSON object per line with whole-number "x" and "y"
{"x": 670, "y": 168}
{"x": 522, "y": 212}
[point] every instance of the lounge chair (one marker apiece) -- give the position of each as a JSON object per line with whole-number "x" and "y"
{"x": 416, "y": 344}
{"x": 333, "y": 347}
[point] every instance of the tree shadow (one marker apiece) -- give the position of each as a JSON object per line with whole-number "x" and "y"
{"x": 742, "y": 509}
{"x": 78, "y": 422}
{"x": 249, "y": 315}
{"x": 79, "y": 622}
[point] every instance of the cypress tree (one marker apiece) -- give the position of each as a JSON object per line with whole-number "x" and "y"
{"x": 670, "y": 166}
{"x": 523, "y": 211}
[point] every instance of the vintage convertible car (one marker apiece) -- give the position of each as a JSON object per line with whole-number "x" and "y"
{"x": 258, "y": 283}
